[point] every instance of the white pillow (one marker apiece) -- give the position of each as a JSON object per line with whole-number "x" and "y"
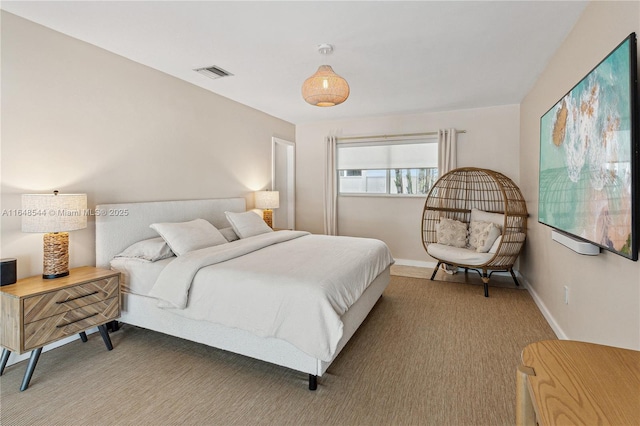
{"x": 482, "y": 216}
{"x": 496, "y": 244}
{"x": 151, "y": 250}
{"x": 482, "y": 235}
{"x": 517, "y": 237}
{"x": 452, "y": 232}
{"x": 229, "y": 234}
{"x": 184, "y": 237}
{"x": 247, "y": 224}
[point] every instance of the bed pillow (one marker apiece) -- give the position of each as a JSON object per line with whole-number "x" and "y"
{"x": 452, "y": 232}
{"x": 482, "y": 235}
{"x": 229, "y": 234}
{"x": 184, "y": 237}
{"x": 247, "y": 224}
{"x": 151, "y": 250}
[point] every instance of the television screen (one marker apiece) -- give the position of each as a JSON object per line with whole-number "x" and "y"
{"x": 589, "y": 156}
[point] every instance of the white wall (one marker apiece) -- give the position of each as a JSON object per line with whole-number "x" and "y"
{"x": 491, "y": 142}
{"x": 604, "y": 291}
{"x": 80, "y": 119}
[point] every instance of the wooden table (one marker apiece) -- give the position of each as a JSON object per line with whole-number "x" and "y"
{"x": 37, "y": 311}
{"x": 564, "y": 382}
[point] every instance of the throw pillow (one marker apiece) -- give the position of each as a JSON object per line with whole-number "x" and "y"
{"x": 496, "y": 244}
{"x": 482, "y": 235}
{"x": 452, "y": 232}
{"x": 482, "y": 216}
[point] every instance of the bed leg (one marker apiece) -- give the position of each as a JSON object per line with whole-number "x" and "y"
{"x": 435, "y": 270}
{"x": 313, "y": 382}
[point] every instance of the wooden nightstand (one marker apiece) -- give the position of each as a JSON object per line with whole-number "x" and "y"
{"x": 37, "y": 311}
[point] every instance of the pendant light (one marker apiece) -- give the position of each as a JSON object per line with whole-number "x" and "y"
{"x": 325, "y": 88}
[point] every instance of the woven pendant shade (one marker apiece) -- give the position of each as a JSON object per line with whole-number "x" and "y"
{"x": 325, "y": 88}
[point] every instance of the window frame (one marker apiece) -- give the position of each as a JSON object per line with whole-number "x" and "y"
{"x": 388, "y": 172}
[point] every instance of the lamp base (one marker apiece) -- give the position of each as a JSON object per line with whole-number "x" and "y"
{"x": 55, "y": 262}
{"x": 267, "y": 216}
{"x": 50, "y": 277}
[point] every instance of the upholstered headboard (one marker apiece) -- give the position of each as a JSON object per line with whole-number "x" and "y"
{"x": 120, "y": 225}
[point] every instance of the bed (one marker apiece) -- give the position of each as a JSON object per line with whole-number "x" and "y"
{"x": 288, "y": 297}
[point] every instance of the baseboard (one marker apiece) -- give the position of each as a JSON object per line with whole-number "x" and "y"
{"x": 418, "y": 263}
{"x": 560, "y": 334}
{"x": 15, "y": 358}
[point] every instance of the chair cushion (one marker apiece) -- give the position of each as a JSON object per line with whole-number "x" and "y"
{"x": 458, "y": 255}
{"x": 482, "y": 216}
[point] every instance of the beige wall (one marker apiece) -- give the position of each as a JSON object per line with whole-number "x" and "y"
{"x": 80, "y": 119}
{"x": 491, "y": 142}
{"x": 604, "y": 291}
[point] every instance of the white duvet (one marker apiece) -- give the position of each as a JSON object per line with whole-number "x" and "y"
{"x": 291, "y": 285}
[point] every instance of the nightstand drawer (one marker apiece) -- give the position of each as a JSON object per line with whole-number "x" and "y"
{"x": 39, "y": 333}
{"x": 66, "y": 299}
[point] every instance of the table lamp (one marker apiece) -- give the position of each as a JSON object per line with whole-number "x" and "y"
{"x": 54, "y": 214}
{"x": 267, "y": 200}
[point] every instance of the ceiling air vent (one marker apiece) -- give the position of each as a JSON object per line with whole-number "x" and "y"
{"x": 213, "y": 72}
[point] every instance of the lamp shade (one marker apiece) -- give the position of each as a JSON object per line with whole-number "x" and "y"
{"x": 325, "y": 88}
{"x": 53, "y": 212}
{"x": 267, "y": 199}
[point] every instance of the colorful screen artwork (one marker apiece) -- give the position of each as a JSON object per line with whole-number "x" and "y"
{"x": 587, "y": 156}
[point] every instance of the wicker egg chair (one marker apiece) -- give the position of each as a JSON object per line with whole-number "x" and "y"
{"x": 454, "y": 196}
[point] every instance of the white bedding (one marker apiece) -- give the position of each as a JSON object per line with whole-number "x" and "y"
{"x": 288, "y": 284}
{"x": 138, "y": 275}
{"x": 115, "y": 234}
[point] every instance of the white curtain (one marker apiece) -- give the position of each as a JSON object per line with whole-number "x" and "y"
{"x": 447, "y": 150}
{"x": 330, "y": 187}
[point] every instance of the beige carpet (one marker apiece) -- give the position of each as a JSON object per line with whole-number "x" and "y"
{"x": 430, "y": 352}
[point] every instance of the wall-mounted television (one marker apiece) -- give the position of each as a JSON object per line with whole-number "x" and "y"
{"x": 589, "y": 156}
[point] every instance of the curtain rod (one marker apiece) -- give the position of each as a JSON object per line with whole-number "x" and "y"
{"x": 394, "y": 136}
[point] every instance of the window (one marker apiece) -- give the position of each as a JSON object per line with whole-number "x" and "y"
{"x": 392, "y": 168}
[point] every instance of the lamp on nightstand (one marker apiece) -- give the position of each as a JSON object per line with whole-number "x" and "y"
{"x": 55, "y": 214}
{"x": 267, "y": 200}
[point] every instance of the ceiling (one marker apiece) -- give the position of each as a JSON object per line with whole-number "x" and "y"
{"x": 398, "y": 57}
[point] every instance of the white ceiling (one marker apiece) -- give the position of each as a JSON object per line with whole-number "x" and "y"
{"x": 398, "y": 57}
